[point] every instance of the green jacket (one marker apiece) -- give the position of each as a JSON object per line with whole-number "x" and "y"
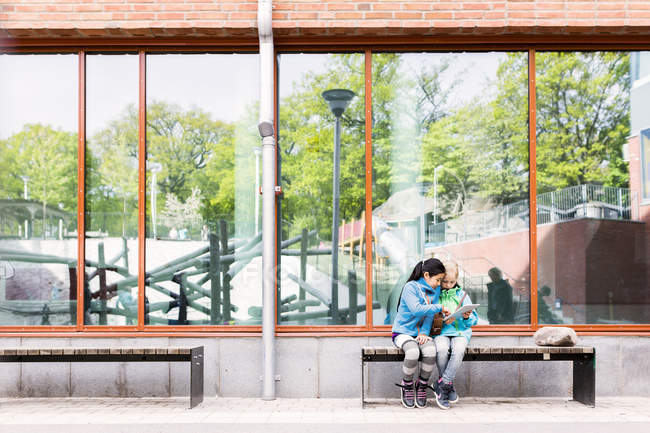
{"x": 460, "y": 327}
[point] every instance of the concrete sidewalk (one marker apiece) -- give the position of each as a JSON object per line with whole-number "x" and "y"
{"x": 234, "y": 415}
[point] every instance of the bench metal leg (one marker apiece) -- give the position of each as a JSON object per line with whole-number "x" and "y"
{"x": 196, "y": 377}
{"x": 584, "y": 380}
{"x": 363, "y": 385}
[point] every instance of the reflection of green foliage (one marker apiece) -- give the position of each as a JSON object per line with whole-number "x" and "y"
{"x": 194, "y": 151}
{"x": 47, "y": 156}
{"x": 307, "y": 141}
{"x": 582, "y": 118}
{"x": 112, "y": 177}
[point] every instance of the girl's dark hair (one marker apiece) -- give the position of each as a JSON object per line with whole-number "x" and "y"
{"x": 432, "y": 266}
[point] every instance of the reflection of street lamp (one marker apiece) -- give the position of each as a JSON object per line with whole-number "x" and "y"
{"x": 155, "y": 167}
{"x": 258, "y": 151}
{"x": 26, "y": 197}
{"x": 25, "y": 193}
{"x": 338, "y": 100}
{"x": 435, "y": 194}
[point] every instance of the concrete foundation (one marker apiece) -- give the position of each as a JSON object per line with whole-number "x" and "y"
{"x": 326, "y": 367}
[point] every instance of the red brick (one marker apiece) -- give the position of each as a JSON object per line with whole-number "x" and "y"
{"x": 378, "y": 15}
{"x": 549, "y": 14}
{"x": 303, "y": 15}
{"x": 386, "y": 6}
{"x": 476, "y": 6}
{"x": 308, "y": 7}
{"x": 349, "y": 15}
{"x": 340, "y": 6}
{"x": 206, "y": 15}
{"x": 408, "y": 15}
{"x": 243, "y": 16}
{"x": 467, "y": 15}
{"x": 88, "y": 8}
{"x": 147, "y": 7}
{"x": 417, "y": 6}
{"x": 111, "y": 8}
{"x": 438, "y": 15}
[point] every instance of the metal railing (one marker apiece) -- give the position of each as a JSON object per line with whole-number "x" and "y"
{"x": 582, "y": 201}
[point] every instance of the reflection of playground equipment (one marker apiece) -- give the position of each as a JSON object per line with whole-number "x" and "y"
{"x": 343, "y": 315}
{"x": 214, "y": 265}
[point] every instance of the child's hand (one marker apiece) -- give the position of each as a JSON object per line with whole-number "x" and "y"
{"x": 423, "y": 338}
{"x": 450, "y": 320}
{"x": 467, "y": 314}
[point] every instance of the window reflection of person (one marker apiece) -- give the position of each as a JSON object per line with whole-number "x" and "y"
{"x": 544, "y": 312}
{"x": 500, "y": 306}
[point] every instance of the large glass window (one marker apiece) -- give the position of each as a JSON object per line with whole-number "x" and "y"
{"x": 322, "y": 158}
{"x": 38, "y": 189}
{"x": 111, "y": 208}
{"x": 592, "y": 254}
{"x": 450, "y": 176}
{"x": 203, "y": 256}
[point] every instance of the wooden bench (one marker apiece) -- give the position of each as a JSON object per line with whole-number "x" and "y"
{"x": 193, "y": 355}
{"x": 583, "y": 357}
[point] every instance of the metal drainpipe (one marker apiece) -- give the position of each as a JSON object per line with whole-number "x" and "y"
{"x": 266, "y": 129}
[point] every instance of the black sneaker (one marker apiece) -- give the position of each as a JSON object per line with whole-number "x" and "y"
{"x": 441, "y": 392}
{"x": 453, "y": 395}
{"x": 421, "y": 393}
{"x": 408, "y": 393}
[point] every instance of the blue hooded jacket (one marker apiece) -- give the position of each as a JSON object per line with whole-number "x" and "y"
{"x": 417, "y": 306}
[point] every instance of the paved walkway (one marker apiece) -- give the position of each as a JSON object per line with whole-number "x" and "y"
{"x": 234, "y": 415}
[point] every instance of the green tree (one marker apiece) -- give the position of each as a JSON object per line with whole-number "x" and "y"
{"x": 582, "y": 118}
{"x": 47, "y": 157}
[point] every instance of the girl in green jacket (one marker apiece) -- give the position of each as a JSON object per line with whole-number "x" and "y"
{"x": 454, "y": 337}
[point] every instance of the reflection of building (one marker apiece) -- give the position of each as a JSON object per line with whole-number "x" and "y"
{"x": 18, "y": 217}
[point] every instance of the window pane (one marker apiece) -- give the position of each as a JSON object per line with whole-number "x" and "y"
{"x": 450, "y": 176}
{"x": 38, "y": 184}
{"x": 111, "y": 189}
{"x": 592, "y": 251}
{"x": 323, "y": 264}
{"x": 203, "y": 256}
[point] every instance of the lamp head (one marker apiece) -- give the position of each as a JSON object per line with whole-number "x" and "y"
{"x": 338, "y": 100}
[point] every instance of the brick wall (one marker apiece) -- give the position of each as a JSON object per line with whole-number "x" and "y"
{"x": 220, "y": 18}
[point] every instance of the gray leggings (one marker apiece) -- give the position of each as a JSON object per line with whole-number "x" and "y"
{"x": 412, "y": 352}
{"x": 451, "y": 351}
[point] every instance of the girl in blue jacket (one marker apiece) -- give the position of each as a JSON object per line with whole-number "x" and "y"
{"x": 453, "y": 339}
{"x": 417, "y": 305}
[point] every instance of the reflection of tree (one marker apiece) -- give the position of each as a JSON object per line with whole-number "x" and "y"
{"x": 112, "y": 160}
{"x": 306, "y": 146}
{"x": 583, "y": 105}
{"x": 47, "y": 156}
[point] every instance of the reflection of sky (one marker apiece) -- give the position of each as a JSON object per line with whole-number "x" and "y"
{"x": 44, "y": 88}
{"x": 111, "y": 85}
{"x": 38, "y": 88}
{"x": 475, "y": 70}
{"x": 45, "y": 91}
{"x": 224, "y": 85}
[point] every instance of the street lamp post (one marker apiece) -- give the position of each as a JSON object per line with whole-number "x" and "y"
{"x": 338, "y": 100}
{"x": 155, "y": 167}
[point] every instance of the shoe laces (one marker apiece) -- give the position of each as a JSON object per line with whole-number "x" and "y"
{"x": 421, "y": 389}
{"x": 409, "y": 389}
